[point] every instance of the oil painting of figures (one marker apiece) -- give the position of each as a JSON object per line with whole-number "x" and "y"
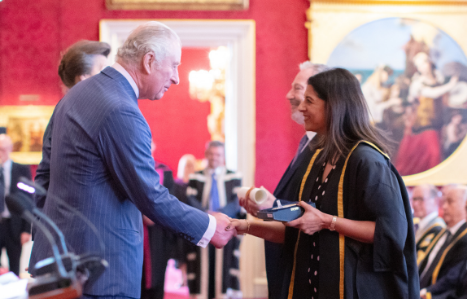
{"x": 414, "y": 79}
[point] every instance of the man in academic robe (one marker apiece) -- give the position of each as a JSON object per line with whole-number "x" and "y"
{"x": 453, "y": 285}
{"x": 289, "y": 185}
{"x": 425, "y": 207}
{"x": 449, "y": 248}
{"x": 214, "y": 273}
{"x": 14, "y": 231}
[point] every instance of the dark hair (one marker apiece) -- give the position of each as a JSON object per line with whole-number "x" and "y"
{"x": 79, "y": 58}
{"x": 347, "y": 117}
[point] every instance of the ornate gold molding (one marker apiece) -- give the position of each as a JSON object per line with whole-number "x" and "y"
{"x": 393, "y": 2}
{"x": 177, "y": 4}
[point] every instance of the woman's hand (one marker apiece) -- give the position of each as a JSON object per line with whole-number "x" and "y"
{"x": 240, "y": 225}
{"x": 313, "y": 220}
{"x": 252, "y": 207}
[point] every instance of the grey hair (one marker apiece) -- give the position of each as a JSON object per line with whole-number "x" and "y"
{"x": 318, "y": 68}
{"x": 150, "y": 37}
{"x": 430, "y": 190}
{"x": 462, "y": 188}
{"x": 214, "y": 143}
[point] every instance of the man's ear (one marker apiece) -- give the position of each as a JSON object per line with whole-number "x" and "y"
{"x": 148, "y": 59}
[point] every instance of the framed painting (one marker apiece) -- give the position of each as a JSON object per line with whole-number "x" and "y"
{"x": 177, "y": 4}
{"x": 411, "y": 62}
{"x": 26, "y": 126}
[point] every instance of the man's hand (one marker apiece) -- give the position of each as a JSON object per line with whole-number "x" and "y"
{"x": 222, "y": 235}
{"x": 252, "y": 207}
{"x": 25, "y": 237}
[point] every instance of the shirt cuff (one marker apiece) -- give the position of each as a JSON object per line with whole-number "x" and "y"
{"x": 422, "y": 292}
{"x": 209, "y": 232}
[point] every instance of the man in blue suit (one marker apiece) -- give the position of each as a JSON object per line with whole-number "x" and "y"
{"x": 101, "y": 164}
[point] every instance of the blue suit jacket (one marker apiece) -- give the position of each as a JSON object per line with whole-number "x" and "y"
{"x": 101, "y": 164}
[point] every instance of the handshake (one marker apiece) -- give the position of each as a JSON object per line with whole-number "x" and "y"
{"x": 227, "y": 228}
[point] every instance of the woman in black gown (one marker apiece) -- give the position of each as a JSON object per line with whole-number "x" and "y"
{"x": 355, "y": 238}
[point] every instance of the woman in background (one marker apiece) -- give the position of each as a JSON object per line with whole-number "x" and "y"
{"x": 80, "y": 61}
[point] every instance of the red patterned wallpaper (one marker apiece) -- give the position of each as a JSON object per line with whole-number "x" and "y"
{"x": 32, "y": 34}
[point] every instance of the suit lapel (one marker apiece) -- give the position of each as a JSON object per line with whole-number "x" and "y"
{"x": 292, "y": 169}
{"x": 116, "y": 75}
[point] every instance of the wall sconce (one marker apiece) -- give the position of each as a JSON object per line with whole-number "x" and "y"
{"x": 210, "y": 86}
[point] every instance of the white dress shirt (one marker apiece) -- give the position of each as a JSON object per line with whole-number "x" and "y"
{"x": 7, "y": 177}
{"x": 309, "y": 135}
{"x": 209, "y": 233}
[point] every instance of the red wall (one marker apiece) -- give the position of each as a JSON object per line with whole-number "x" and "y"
{"x": 177, "y": 122}
{"x": 32, "y": 34}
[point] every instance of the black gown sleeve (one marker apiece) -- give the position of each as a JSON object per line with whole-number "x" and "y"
{"x": 381, "y": 201}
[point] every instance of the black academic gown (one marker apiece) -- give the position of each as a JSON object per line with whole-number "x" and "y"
{"x": 373, "y": 191}
{"x": 433, "y": 229}
{"x": 454, "y": 254}
{"x": 288, "y": 188}
{"x": 453, "y": 285}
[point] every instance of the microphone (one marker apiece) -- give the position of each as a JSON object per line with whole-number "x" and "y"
{"x": 19, "y": 204}
{"x": 26, "y": 203}
{"x": 29, "y": 186}
{"x": 87, "y": 266}
{"x": 73, "y": 271}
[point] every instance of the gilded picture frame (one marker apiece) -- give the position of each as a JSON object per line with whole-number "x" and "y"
{"x": 26, "y": 126}
{"x": 329, "y": 22}
{"x": 177, "y": 4}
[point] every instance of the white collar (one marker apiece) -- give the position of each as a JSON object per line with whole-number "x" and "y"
{"x": 119, "y": 68}
{"x": 7, "y": 164}
{"x": 456, "y": 227}
{"x": 427, "y": 219}
{"x": 217, "y": 171}
{"x": 310, "y": 134}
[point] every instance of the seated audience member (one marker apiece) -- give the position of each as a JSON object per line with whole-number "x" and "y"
{"x": 14, "y": 231}
{"x": 452, "y": 286}
{"x": 449, "y": 248}
{"x": 425, "y": 207}
{"x": 214, "y": 189}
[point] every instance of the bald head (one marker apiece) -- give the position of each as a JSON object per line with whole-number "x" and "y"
{"x": 424, "y": 200}
{"x": 6, "y": 147}
{"x": 454, "y": 205}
